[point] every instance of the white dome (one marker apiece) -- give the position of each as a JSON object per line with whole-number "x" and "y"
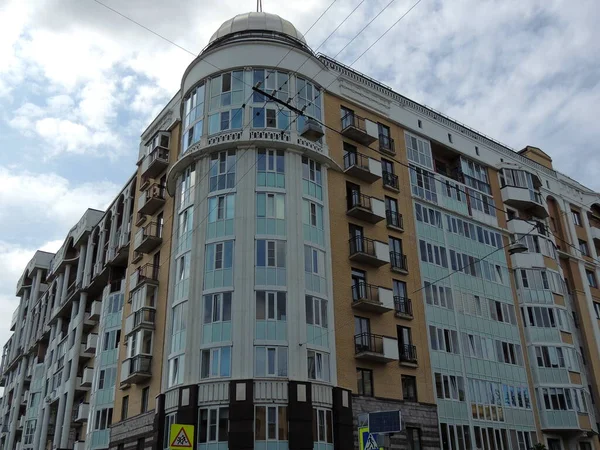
{"x": 257, "y": 21}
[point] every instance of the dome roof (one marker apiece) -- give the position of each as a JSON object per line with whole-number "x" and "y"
{"x": 257, "y": 21}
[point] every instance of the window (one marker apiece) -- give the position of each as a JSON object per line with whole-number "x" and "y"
{"x": 597, "y": 309}
{"x": 219, "y": 256}
{"x": 170, "y": 419}
{"x": 591, "y": 277}
{"x": 413, "y": 437}
{"x": 477, "y": 150}
{"x": 214, "y": 425}
{"x": 434, "y": 254}
{"x": 309, "y": 100}
{"x": 583, "y": 248}
{"x": 365, "y": 382}
{"x": 124, "y": 407}
{"x": 103, "y": 419}
{"x": 270, "y": 80}
{"x": 176, "y": 370}
{"x": 215, "y": 362}
{"x": 270, "y": 117}
{"x": 449, "y": 387}
{"x": 193, "y": 114}
{"x": 270, "y": 166}
{"x": 271, "y": 423}
{"x": 438, "y": 295}
{"x": 221, "y": 207}
{"x": 226, "y": 120}
{"x": 314, "y": 260}
{"x": 322, "y": 425}
{"x": 419, "y": 123}
{"x": 443, "y": 340}
{"x": 316, "y": 311}
{"x": 409, "y": 388}
{"x": 311, "y": 178}
{"x": 318, "y": 365}
{"x": 270, "y": 253}
{"x": 271, "y": 361}
{"x": 576, "y": 218}
{"x": 140, "y": 444}
{"x": 271, "y": 306}
{"x": 222, "y": 170}
{"x": 418, "y": 151}
{"x": 270, "y": 206}
{"x": 217, "y": 307}
{"x": 502, "y": 312}
{"x": 449, "y": 138}
{"x": 145, "y": 399}
{"x": 29, "y": 432}
{"x": 585, "y": 446}
{"x": 101, "y": 377}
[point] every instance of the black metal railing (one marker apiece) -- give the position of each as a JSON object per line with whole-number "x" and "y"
{"x": 403, "y": 305}
{"x": 386, "y": 144}
{"x": 394, "y": 219}
{"x": 361, "y": 244}
{"x": 368, "y": 342}
{"x": 352, "y": 120}
{"x": 153, "y": 229}
{"x": 358, "y": 200}
{"x": 408, "y": 353}
{"x": 398, "y": 261}
{"x": 365, "y": 291}
{"x": 356, "y": 159}
{"x": 390, "y": 180}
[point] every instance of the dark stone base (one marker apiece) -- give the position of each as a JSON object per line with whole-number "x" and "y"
{"x": 417, "y": 415}
{"x": 130, "y": 431}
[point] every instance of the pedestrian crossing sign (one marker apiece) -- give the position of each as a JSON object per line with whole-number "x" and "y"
{"x": 181, "y": 436}
{"x": 367, "y": 440}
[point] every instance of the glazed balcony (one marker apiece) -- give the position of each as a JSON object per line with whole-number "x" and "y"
{"x": 148, "y": 238}
{"x": 136, "y": 369}
{"x": 524, "y": 199}
{"x": 365, "y": 208}
{"x": 375, "y": 348}
{"x": 362, "y": 167}
{"x": 369, "y": 251}
{"x": 87, "y": 377}
{"x": 95, "y": 311}
{"x": 81, "y": 412}
{"x": 152, "y": 199}
{"x": 144, "y": 317}
{"x": 359, "y": 129}
{"x": 376, "y": 299}
{"x": 155, "y": 162}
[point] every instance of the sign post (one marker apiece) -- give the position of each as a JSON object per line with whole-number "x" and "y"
{"x": 374, "y": 427}
{"x": 181, "y": 437}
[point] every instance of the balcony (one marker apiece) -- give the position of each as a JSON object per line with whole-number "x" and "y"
{"x": 408, "y": 354}
{"x": 363, "y": 207}
{"x": 376, "y": 348}
{"x": 142, "y": 318}
{"x": 370, "y": 298}
{"x": 95, "y": 311}
{"x": 398, "y": 263}
{"x": 155, "y": 162}
{"x": 524, "y": 199}
{"x": 152, "y": 199}
{"x": 394, "y": 220}
{"x": 136, "y": 369}
{"x": 146, "y": 274}
{"x": 368, "y": 251}
{"x": 88, "y": 349}
{"x": 81, "y": 412}
{"x": 359, "y": 129}
{"x": 148, "y": 238}
{"x": 390, "y": 181}
{"x": 87, "y": 377}
{"x": 403, "y": 308}
{"x": 386, "y": 144}
{"x": 79, "y": 445}
{"x": 362, "y": 167}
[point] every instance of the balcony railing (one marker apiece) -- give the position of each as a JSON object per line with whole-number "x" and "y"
{"x": 403, "y": 307}
{"x": 365, "y": 291}
{"x": 148, "y": 237}
{"x": 390, "y": 180}
{"x": 358, "y": 200}
{"x": 361, "y": 244}
{"x": 356, "y": 159}
{"x": 394, "y": 219}
{"x": 398, "y": 262}
{"x": 408, "y": 353}
{"x": 368, "y": 342}
{"x": 359, "y": 129}
{"x": 362, "y": 167}
{"x": 148, "y": 273}
{"x": 152, "y": 199}
{"x": 136, "y": 368}
{"x": 144, "y": 316}
{"x": 156, "y": 162}
{"x": 386, "y": 144}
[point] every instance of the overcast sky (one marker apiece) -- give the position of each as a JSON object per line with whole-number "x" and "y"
{"x": 78, "y": 84}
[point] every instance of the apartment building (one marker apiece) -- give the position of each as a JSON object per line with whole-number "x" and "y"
{"x": 269, "y": 278}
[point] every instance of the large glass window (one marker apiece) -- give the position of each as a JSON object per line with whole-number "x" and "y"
{"x": 178, "y": 328}
{"x": 271, "y": 306}
{"x": 311, "y": 178}
{"x": 214, "y": 425}
{"x": 322, "y": 425}
{"x": 221, "y": 207}
{"x": 270, "y": 206}
{"x": 270, "y": 253}
{"x": 215, "y": 362}
{"x": 270, "y": 166}
{"x": 271, "y": 423}
{"x": 419, "y": 151}
{"x": 309, "y": 100}
{"x": 271, "y": 361}
{"x": 318, "y": 365}
{"x": 316, "y": 311}
{"x": 222, "y": 170}
{"x": 193, "y": 117}
{"x": 217, "y": 308}
{"x": 219, "y": 256}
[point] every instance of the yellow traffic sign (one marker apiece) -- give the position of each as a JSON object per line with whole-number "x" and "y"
{"x": 181, "y": 436}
